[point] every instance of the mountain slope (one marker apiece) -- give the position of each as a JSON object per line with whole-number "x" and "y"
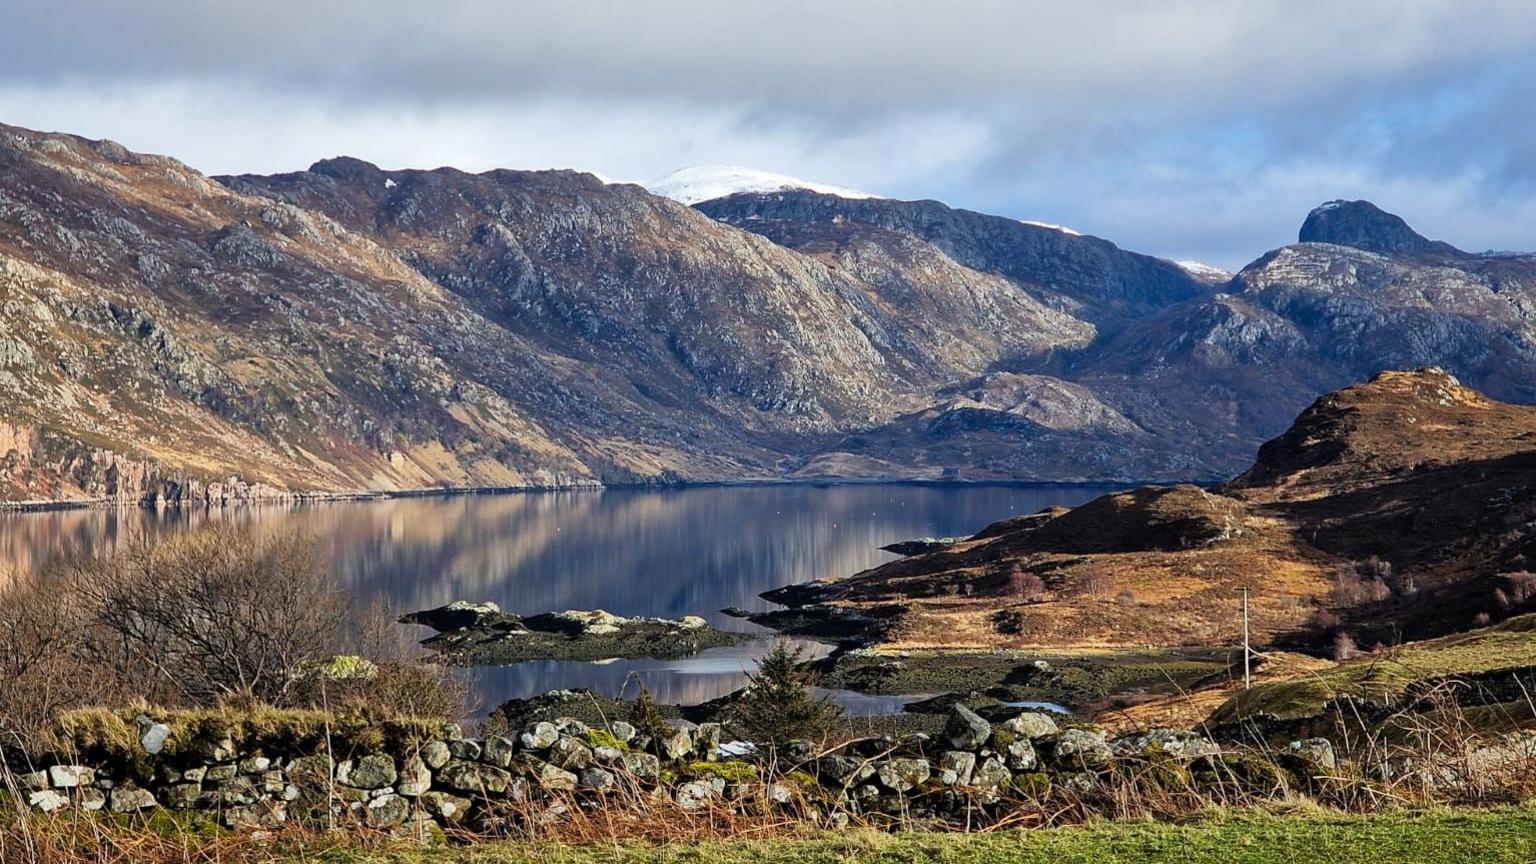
{"x": 1205, "y": 367}
{"x": 343, "y": 329}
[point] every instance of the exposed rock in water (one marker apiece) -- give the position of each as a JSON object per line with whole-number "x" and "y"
{"x": 480, "y": 633}
{"x": 922, "y": 545}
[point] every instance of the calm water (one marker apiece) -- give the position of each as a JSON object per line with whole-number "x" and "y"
{"x": 632, "y": 552}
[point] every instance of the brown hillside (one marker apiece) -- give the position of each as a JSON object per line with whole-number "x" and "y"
{"x": 1396, "y": 509}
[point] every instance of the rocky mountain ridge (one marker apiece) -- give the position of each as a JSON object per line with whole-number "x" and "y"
{"x": 345, "y": 330}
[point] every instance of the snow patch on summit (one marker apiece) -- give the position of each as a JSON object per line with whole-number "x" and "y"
{"x": 1062, "y": 228}
{"x": 1207, "y": 272}
{"x": 706, "y": 182}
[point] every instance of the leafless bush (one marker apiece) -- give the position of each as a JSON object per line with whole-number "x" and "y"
{"x": 214, "y": 614}
{"x": 1344, "y": 646}
{"x": 1096, "y": 583}
{"x": 1351, "y": 587}
{"x": 221, "y": 615}
{"x": 1023, "y": 584}
{"x": 43, "y": 665}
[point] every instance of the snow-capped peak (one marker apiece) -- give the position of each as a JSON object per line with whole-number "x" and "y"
{"x": 1054, "y": 227}
{"x": 705, "y": 182}
{"x": 1204, "y": 271}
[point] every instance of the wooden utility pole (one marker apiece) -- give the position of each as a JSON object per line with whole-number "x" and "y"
{"x": 1247, "y": 652}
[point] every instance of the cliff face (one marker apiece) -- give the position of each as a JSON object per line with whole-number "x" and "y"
{"x": 348, "y": 328}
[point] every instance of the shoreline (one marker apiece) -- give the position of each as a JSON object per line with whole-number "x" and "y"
{"x": 50, "y": 505}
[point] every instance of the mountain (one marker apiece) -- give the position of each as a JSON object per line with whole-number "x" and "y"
{"x": 1363, "y": 225}
{"x": 1397, "y": 509}
{"x": 344, "y": 329}
{"x": 704, "y": 182}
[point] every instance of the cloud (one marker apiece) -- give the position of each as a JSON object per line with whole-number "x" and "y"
{"x": 1222, "y": 121}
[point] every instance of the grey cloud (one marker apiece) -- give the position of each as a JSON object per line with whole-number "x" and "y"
{"x": 1190, "y": 128}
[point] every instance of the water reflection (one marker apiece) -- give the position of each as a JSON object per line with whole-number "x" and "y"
{"x": 632, "y": 552}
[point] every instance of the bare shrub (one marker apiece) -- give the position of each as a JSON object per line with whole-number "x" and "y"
{"x": 1520, "y": 587}
{"x": 219, "y": 616}
{"x": 1351, "y": 587}
{"x": 1344, "y": 647}
{"x": 1023, "y": 584}
{"x": 1096, "y": 583}
{"x": 214, "y": 614}
{"x": 43, "y": 665}
{"x": 385, "y": 677}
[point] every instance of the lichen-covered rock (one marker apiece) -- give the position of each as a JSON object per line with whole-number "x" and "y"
{"x": 553, "y": 777}
{"x": 644, "y": 766}
{"x": 991, "y": 774}
{"x": 1031, "y": 725}
{"x": 961, "y": 763}
{"x": 449, "y": 808}
{"x": 474, "y": 777}
{"x": 1076, "y": 748}
{"x": 676, "y": 744}
{"x": 596, "y": 779}
{"x": 1174, "y": 743}
{"x": 47, "y": 800}
{"x": 435, "y": 754}
{"x": 902, "y": 774}
{"x": 1315, "y": 752}
{"x": 70, "y": 776}
{"x": 415, "y": 778}
{"x": 181, "y": 796}
{"x": 965, "y": 729}
{"x": 1020, "y": 755}
{"x": 388, "y": 810}
{"x": 374, "y": 771}
{"x": 541, "y": 736}
{"x": 498, "y": 751}
{"x": 130, "y": 799}
{"x": 694, "y": 794}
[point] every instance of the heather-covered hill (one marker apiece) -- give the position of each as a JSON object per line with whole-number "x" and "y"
{"x": 1397, "y": 509}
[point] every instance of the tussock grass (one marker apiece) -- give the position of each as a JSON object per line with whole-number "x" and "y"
{"x": 100, "y": 733}
{"x": 1385, "y": 676}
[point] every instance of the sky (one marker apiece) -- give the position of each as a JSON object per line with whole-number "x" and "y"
{"x": 1191, "y": 130}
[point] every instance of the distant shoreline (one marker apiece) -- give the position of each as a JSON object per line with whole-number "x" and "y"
{"x": 320, "y": 497}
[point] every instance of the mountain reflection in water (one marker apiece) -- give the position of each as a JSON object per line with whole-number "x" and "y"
{"x": 666, "y": 552}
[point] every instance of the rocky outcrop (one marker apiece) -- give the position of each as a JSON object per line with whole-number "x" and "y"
{"x": 480, "y": 633}
{"x": 1363, "y": 225}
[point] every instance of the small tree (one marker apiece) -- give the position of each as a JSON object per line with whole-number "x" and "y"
{"x": 778, "y": 706}
{"x": 645, "y": 716}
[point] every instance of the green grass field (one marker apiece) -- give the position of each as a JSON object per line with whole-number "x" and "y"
{"x": 1485, "y": 836}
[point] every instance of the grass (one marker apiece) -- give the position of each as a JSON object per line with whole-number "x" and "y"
{"x": 1500, "y": 835}
{"x": 106, "y": 734}
{"x": 1384, "y": 677}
